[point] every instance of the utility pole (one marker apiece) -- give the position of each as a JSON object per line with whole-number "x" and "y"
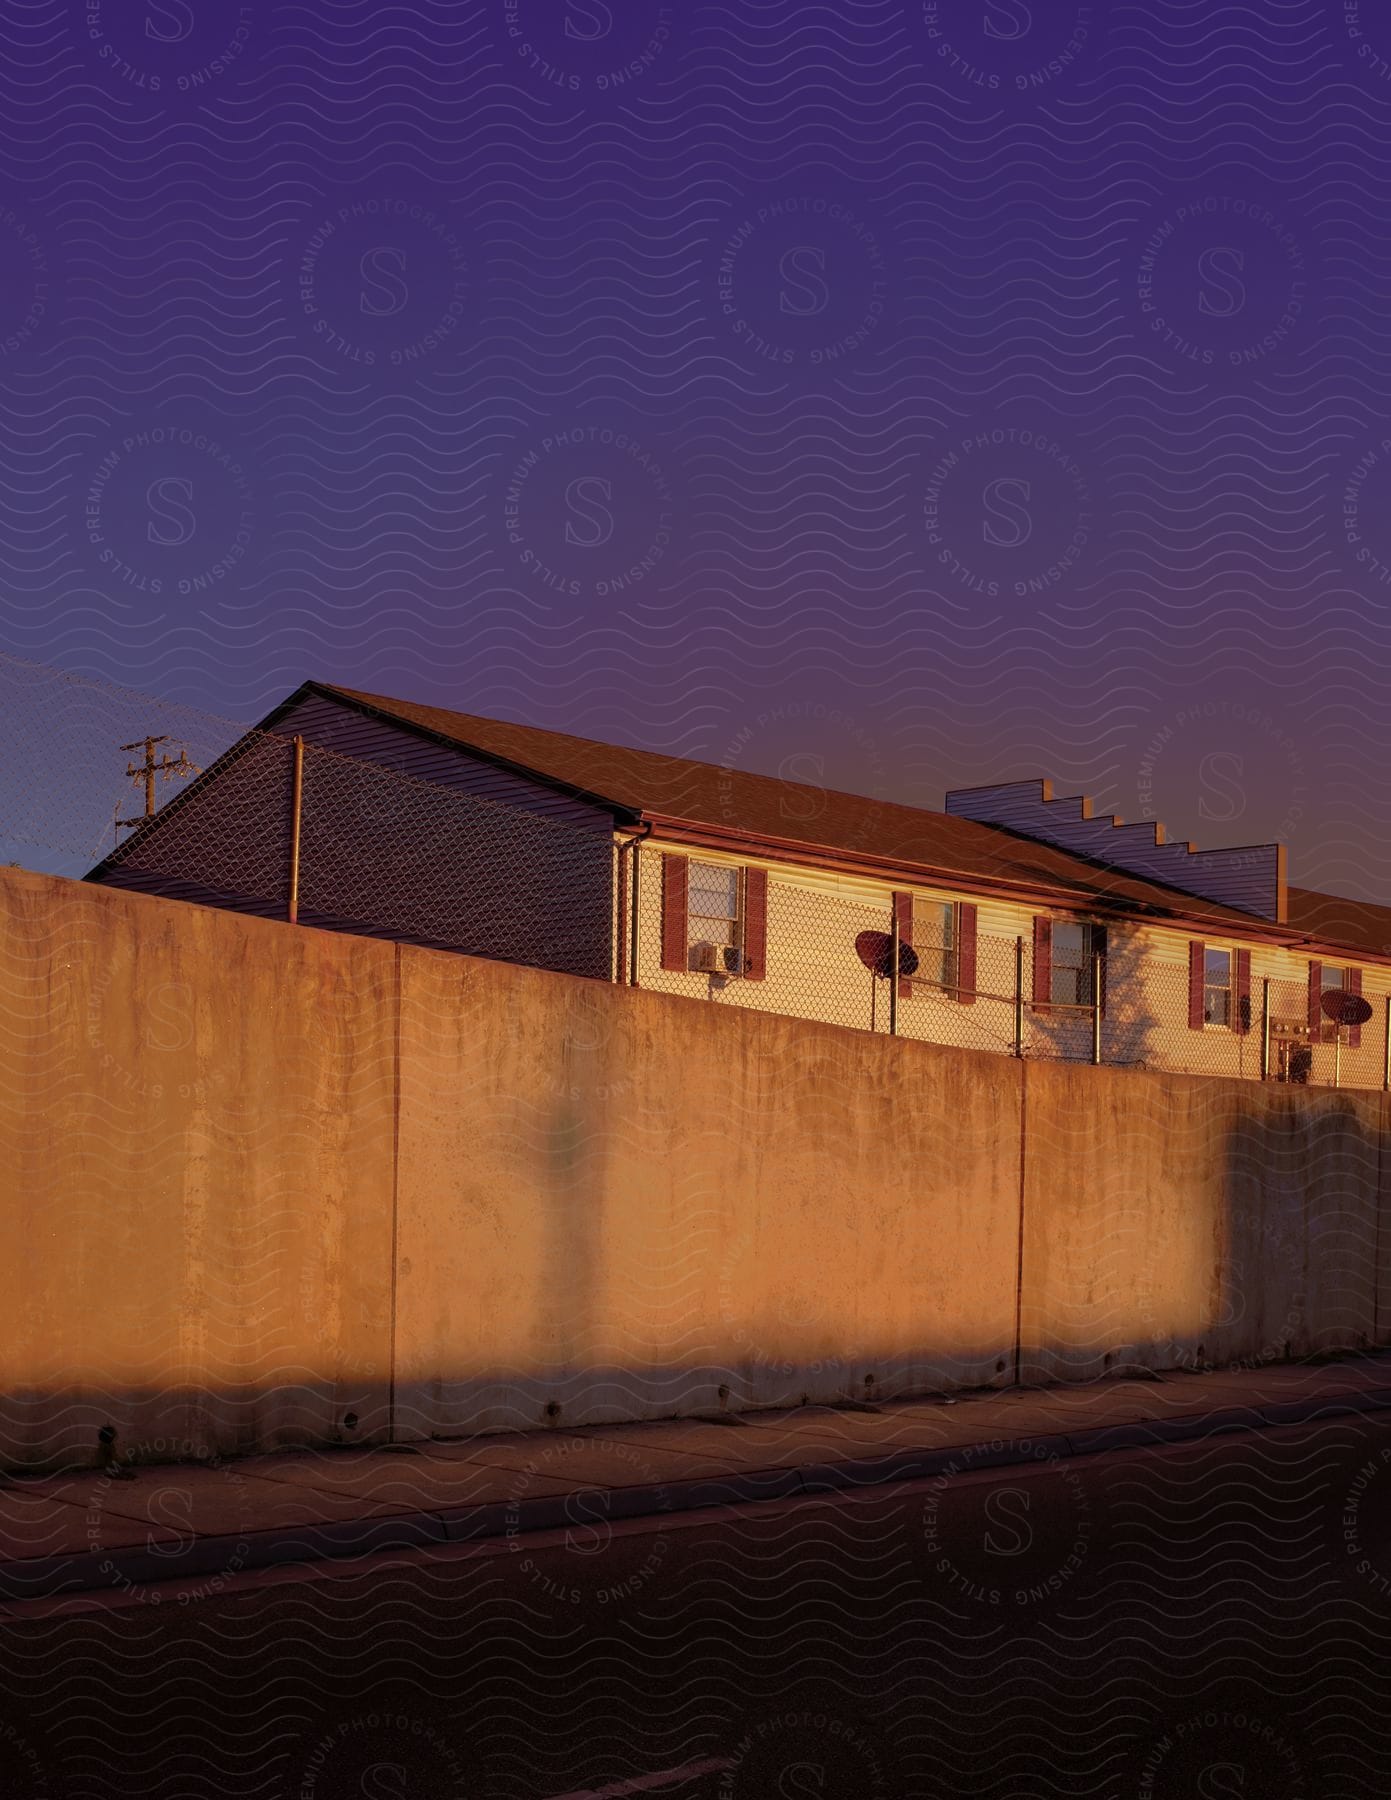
{"x": 165, "y": 765}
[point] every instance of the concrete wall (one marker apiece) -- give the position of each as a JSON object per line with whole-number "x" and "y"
{"x": 263, "y": 1178}
{"x": 623, "y": 1204}
{"x": 1171, "y": 1220}
{"x": 196, "y": 1139}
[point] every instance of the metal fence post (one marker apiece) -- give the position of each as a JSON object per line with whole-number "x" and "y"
{"x": 1265, "y": 1029}
{"x": 1386, "y": 1047}
{"x": 296, "y": 809}
{"x": 893, "y": 968}
{"x": 620, "y": 913}
{"x": 1019, "y": 996}
{"x": 1096, "y": 1006}
{"x": 633, "y": 922}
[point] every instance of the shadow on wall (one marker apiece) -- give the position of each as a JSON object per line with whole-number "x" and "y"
{"x": 1218, "y": 1227}
{"x": 1129, "y": 1026}
{"x": 1296, "y": 1271}
{"x": 267, "y": 1179}
{"x": 1194, "y": 1223}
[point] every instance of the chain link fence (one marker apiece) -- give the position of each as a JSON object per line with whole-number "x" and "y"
{"x": 66, "y": 744}
{"x": 252, "y": 821}
{"x": 828, "y": 957}
{"x": 285, "y": 829}
{"x": 363, "y": 848}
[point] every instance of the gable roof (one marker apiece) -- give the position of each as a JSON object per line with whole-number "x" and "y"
{"x": 762, "y": 812}
{"x": 673, "y": 790}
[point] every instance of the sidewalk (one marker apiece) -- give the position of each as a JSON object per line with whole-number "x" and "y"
{"x": 88, "y": 1533}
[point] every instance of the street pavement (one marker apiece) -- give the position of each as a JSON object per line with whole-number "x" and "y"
{"x": 124, "y": 1528}
{"x": 1152, "y": 1589}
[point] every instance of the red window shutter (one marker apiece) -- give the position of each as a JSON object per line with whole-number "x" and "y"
{"x": 756, "y": 924}
{"x": 966, "y": 954}
{"x": 1196, "y": 969}
{"x": 1315, "y": 996}
{"x": 1043, "y": 961}
{"x": 675, "y": 888}
{"x": 1242, "y": 992}
{"x": 903, "y": 913}
{"x": 1352, "y": 983}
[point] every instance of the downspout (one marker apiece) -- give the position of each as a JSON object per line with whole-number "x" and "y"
{"x": 630, "y": 848}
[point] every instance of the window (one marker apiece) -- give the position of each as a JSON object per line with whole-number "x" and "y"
{"x": 934, "y": 939}
{"x": 713, "y": 907}
{"x": 1346, "y": 984}
{"x": 1217, "y": 987}
{"x": 1074, "y": 948}
{"x": 1331, "y": 981}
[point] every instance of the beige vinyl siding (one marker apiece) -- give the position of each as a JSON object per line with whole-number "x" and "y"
{"x": 815, "y": 915}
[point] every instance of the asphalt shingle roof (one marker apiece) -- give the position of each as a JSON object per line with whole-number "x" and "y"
{"x": 708, "y": 794}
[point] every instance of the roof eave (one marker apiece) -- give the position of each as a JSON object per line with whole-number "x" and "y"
{"x": 734, "y": 839}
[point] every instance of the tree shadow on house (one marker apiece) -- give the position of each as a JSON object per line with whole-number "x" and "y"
{"x": 1132, "y": 1028}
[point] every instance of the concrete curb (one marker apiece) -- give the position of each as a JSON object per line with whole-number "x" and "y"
{"x": 135, "y": 1567}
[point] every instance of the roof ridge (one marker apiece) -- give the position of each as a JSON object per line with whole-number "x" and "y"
{"x": 694, "y": 762}
{"x": 960, "y": 849}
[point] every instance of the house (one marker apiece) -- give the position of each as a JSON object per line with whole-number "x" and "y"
{"x": 1016, "y": 922}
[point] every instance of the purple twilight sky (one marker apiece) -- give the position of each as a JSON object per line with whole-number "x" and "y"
{"x": 898, "y": 394}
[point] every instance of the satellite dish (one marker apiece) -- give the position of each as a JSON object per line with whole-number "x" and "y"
{"x": 1345, "y": 1008}
{"x": 875, "y": 950}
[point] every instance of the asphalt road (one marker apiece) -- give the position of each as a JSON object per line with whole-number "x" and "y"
{"x": 1207, "y": 1621}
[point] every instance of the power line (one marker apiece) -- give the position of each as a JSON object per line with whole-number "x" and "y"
{"x": 165, "y": 765}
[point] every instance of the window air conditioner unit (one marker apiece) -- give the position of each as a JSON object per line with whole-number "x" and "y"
{"x": 717, "y": 959}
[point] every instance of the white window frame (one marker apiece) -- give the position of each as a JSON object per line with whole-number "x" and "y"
{"x": 698, "y": 922}
{"x": 1340, "y": 986}
{"x": 1229, "y": 1023}
{"x": 1088, "y": 930}
{"x": 929, "y": 951}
